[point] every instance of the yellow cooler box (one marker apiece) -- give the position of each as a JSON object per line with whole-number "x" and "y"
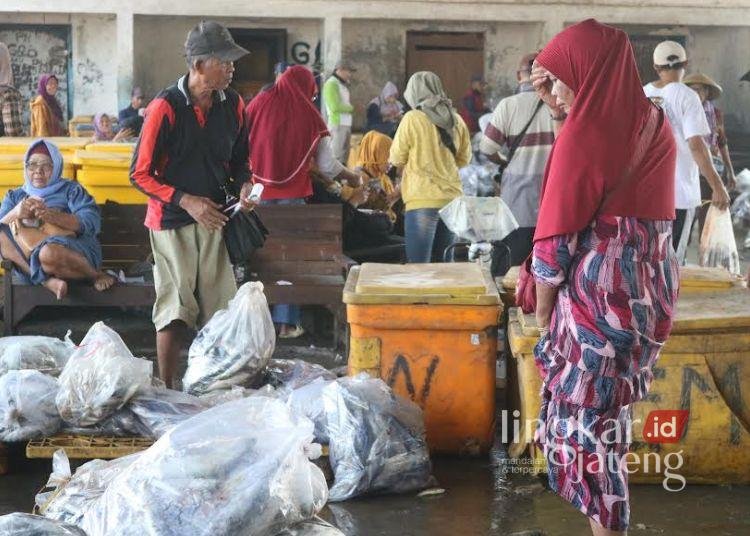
{"x": 106, "y": 176}
{"x": 112, "y": 147}
{"x": 68, "y": 146}
{"x": 430, "y": 332}
{"x": 704, "y": 369}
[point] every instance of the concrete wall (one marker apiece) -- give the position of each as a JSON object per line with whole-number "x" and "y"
{"x": 92, "y": 49}
{"x": 378, "y": 48}
{"x": 721, "y": 53}
{"x": 158, "y": 44}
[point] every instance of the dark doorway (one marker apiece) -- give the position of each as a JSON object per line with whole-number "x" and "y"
{"x": 453, "y": 56}
{"x": 643, "y": 49}
{"x": 252, "y": 72}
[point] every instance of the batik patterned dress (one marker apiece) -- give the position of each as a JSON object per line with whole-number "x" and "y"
{"x": 618, "y": 284}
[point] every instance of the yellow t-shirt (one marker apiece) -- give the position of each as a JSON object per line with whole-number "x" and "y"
{"x": 430, "y": 177}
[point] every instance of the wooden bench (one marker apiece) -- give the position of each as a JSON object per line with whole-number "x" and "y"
{"x": 304, "y": 248}
{"x": 124, "y": 242}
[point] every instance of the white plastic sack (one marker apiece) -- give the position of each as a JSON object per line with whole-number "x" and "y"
{"x": 239, "y": 469}
{"x": 234, "y": 346}
{"x": 27, "y": 405}
{"x": 479, "y": 219}
{"x": 377, "y": 440}
{"x": 30, "y": 525}
{"x": 30, "y": 352}
{"x": 66, "y": 498}
{"x": 717, "y": 247}
{"x": 161, "y": 409}
{"x": 100, "y": 377}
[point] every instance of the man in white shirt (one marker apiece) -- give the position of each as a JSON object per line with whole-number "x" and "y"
{"x": 689, "y": 125}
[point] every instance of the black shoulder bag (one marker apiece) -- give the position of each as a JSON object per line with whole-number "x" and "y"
{"x": 517, "y": 142}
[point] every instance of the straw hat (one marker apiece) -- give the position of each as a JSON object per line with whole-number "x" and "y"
{"x": 714, "y": 89}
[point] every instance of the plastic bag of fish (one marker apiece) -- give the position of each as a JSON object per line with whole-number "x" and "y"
{"x": 377, "y": 440}
{"x": 100, "y": 377}
{"x": 240, "y": 469}
{"x": 234, "y": 346}
{"x": 160, "y": 409}
{"x": 27, "y": 405}
{"x": 19, "y": 524}
{"x": 67, "y": 497}
{"x": 30, "y": 352}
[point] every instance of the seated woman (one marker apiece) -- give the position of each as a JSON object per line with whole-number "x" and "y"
{"x": 372, "y": 161}
{"x": 288, "y": 139}
{"x": 385, "y": 111}
{"x": 103, "y": 130}
{"x": 47, "y": 198}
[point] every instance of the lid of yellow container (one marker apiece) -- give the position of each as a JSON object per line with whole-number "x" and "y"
{"x": 437, "y": 284}
{"x": 112, "y": 147}
{"x": 705, "y": 312}
{"x": 698, "y": 277}
{"x": 19, "y": 145}
{"x": 85, "y": 157}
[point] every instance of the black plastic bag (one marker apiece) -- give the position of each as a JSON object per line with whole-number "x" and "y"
{"x": 243, "y": 234}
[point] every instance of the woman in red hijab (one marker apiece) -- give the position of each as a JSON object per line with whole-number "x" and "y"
{"x": 605, "y": 272}
{"x": 288, "y": 139}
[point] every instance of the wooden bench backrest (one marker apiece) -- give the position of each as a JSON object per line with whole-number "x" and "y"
{"x": 124, "y": 239}
{"x": 302, "y": 240}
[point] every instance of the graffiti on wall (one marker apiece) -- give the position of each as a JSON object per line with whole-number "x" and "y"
{"x": 302, "y": 53}
{"x": 34, "y": 51}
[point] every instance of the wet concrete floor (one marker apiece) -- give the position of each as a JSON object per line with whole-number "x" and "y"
{"x": 477, "y": 502}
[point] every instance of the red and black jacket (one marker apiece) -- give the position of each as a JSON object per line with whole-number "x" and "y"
{"x": 181, "y": 151}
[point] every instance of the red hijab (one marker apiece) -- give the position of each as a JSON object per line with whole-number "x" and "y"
{"x": 600, "y": 135}
{"x": 285, "y": 128}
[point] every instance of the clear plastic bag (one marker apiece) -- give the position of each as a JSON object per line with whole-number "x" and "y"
{"x": 19, "y": 524}
{"x": 717, "y": 247}
{"x": 100, "y": 377}
{"x": 294, "y": 373}
{"x": 30, "y": 352}
{"x": 308, "y": 401}
{"x": 239, "y": 469}
{"x": 161, "y": 409}
{"x": 122, "y": 423}
{"x": 27, "y": 405}
{"x": 377, "y": 440}
{"x": 66, "y": 498}
{"x": 479, "y": 219}
{"x": 741, "y": 210}
{"x": 234, "y": 346}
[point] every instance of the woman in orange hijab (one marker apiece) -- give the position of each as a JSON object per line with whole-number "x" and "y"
{"x": 372, "y": 160}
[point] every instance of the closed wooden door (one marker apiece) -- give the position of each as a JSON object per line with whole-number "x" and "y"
{"x": 454, "y": 56}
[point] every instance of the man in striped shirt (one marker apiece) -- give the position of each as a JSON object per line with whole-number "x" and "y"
{"x": 522, "y": 178}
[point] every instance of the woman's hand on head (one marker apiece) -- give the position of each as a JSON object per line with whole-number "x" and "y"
{"x": 541, "y": 79}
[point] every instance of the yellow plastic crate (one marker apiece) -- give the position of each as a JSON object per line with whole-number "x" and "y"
{"x": 112, "y": 147}
{"x": 86, "y": 158}
{"x": 104, "y": 176}
{"x": 125, "y": 195}
{"x": 19, "y": 145}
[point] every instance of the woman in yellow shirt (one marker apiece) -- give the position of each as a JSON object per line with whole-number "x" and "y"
{"x": 46, "y": 114}
{"x": 431, "y": 144}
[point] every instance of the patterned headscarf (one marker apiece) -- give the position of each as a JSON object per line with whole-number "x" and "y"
{"x": 50, "y": 99}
